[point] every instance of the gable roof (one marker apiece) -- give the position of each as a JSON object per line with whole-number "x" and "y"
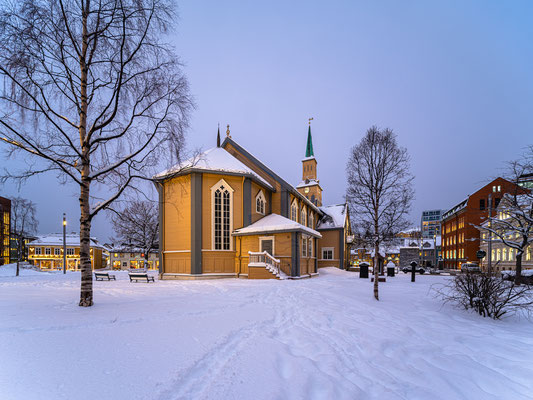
{"x": 56, "y": 239}
{"x": 334, "y": 217}
{"x": 269, "y": 172}
{"x": 216, "y": 159}
{"x": 275, "y": 223}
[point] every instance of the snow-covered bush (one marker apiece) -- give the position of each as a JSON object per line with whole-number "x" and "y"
{"x": 489, "y": 295}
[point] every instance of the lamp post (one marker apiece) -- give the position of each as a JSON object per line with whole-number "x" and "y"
{"x": 435, "y": 249}
{"x": 64, "y": 244}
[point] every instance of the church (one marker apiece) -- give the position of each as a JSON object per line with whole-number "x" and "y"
{"x": 226, "y": 214}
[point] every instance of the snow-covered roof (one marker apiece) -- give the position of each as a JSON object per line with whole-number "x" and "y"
{"x": 268, "y": 171}
{"x": 273, "y": 223}
{"x": 334, "y": 217}
{"x": 214, "y": 160}
{"x": 455, "y": 209}
{"x": 306, "y": 183}
{"x": 308, "y": 158}
{"x": 56, "y": 239}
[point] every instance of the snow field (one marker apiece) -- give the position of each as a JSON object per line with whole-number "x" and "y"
{"x": 320, "y": 338}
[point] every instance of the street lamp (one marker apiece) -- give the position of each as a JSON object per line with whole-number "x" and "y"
{"x": 64, "y": 244}
{"x": 435, "y": 249}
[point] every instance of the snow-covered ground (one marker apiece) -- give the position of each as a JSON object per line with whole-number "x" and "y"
{"x": 320, "y": 338}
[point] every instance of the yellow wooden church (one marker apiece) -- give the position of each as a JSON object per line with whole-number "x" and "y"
{"x": 227, "y": 214}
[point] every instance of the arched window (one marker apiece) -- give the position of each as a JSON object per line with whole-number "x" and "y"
{"x": 294, "y": 210}
{"x": 222, "y": 203}
{"x": 303, "y": 216}
{"x": 504, "y": 257}
{"x": 260, "y": 203}
{"x": 311, "y": 220}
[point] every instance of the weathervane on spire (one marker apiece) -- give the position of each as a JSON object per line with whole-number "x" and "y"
{"x": 310, "y": 119}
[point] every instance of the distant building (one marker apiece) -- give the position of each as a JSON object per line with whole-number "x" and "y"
{"x": 460, "y": 237}
{"x": 430, "y": 223}
{"x": 5, "y": 229}
{"x": 130, "y": 258}
{"x": 424, "y": 251}
{"x": 46, "y": 252}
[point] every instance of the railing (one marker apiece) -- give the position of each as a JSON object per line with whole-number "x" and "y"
{"x": 266, "y": 260}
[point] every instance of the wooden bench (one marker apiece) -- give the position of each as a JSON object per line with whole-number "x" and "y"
{"x": 137, "y": 276}
{"x": 102, "y": 276}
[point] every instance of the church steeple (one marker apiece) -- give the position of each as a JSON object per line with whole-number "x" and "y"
{"x": 309, "y": 148}
{"x": 310, "y": 185}
{"x": 218, "y": 136}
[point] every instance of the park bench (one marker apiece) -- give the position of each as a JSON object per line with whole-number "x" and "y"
{"x": 102, "y": 276}
{"x": 137, "y": 276}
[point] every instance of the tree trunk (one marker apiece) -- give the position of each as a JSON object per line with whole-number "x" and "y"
{"x": 86, "y": 292}
{"x": 518, "y": 275}
{"x": 376, "y": 270}
{"x": 18, "y": 255}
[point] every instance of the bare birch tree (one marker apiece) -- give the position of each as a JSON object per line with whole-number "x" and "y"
{"x": 513, "y": 224}
{"x": 137, "y": 226}
{"x": 93, "y": 92}
{"x": 23, "y": 224}
{"x": 379, "y": 189}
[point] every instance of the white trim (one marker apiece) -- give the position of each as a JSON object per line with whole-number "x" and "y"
{"x": 227, "y": 251}
{"x": 261, "y": 238}
{"x": 174, "y": 251}
{"x": 260, "y": 196}
{"x": 207, "y": 274}
{"x": 213, "y": 190}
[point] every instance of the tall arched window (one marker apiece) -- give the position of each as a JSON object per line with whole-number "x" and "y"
{"x": 260, "y": 203}
{"x": 311, "y": 220}
{"x": 303, "y": 216}
{"x": 294, "y": 210}
{"x": 222, "y": 201}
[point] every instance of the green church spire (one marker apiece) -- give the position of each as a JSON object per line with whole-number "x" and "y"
{"x": 309, "y": 148}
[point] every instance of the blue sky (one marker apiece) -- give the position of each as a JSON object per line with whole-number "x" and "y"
{"x": 453, "y": 79}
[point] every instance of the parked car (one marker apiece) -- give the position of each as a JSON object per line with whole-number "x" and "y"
{"x": 470, "y": 267}
{"x": 418, "y": 268}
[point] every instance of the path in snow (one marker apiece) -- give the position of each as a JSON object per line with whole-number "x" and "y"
{"x": 321, "y": 338}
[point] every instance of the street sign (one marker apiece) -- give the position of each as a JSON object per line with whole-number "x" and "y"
{"x": 481, "y": 254}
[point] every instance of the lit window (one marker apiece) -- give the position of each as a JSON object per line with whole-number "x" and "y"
{"x": 47, "y": 251}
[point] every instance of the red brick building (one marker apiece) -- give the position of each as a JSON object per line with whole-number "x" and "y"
{"x": 460, "y": 237}
{"x": 5, "y": 229}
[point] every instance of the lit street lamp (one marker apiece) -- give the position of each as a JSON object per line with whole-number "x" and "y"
{"x": 64, "y": 244}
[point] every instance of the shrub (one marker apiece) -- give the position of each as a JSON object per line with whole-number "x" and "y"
{"x": 489, "y": 295}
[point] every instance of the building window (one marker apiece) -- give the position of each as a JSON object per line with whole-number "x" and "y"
{"x": 38, "y": 251}
{"x": 260, "y": 203}
{"x": 70, "y": 251}
{"x": 57, "y": 251}
{"x": 304, "y": 246}
{"x": 294, "y": 210}
{"x": 311, "y": 220}
{"x": 310, "y": 249}
{"x": 47, "y": 251}
{"x": 222, "y": 200}
{"x": 327, "y": 253}
{"x": 481, "y": 204}
{"x": 303, "y": 216}
{"x": 496, "y": 202}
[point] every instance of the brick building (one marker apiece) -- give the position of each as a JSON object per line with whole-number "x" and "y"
{"x": 460, "y": 237}
{"x": 5, "y": 225}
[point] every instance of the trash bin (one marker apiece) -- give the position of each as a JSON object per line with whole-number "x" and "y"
{"x": 363, "y": 270}
{"x": 390, "y": 271}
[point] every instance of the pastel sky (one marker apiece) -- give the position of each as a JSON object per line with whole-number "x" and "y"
{"x": 453, "y": 79}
